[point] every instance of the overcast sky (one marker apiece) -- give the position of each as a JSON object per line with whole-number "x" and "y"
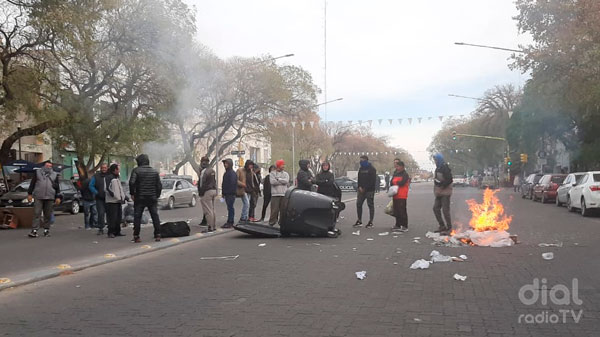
{"x": 387, "y": 59}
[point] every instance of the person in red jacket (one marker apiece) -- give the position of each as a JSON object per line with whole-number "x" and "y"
{"x": 401, "y": 179}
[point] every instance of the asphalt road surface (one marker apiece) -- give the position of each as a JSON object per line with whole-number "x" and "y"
{"x": 308, "y": 286}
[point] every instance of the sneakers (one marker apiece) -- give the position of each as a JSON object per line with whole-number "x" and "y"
{"x": 369, "y": 225}
{"x": 111, "y": 236}
{"x": 46, "y": 232}
{"x": 404, "y": 229}
{"x": 208, "y": 230}
{"x": 33, "y": 234}
{"x": 357, "y": 224}
{"x": 227, "y": 225}
{"x": 157, "y": 238}
{"x": 253, "y": 219}
{"x": 136, "y": 239}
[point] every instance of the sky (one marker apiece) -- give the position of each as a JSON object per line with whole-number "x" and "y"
{"x": 387, "y": 59}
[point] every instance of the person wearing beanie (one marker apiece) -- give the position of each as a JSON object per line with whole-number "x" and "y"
{"x": 280, "y": 180}
{"x": 145, "y": 189}
{"x": 367, "y": 179}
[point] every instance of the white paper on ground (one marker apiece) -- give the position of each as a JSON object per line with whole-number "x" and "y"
{"x": 420, "y": 264}
{"x": 459, "y": 277}
{"x": 416, "y": 241}
{"x": 548, "y": 256}
{"x": 262, "y": 244}
{"x": 560, "y": 244}
{"x": 369, "y": 239}
{"x": 356, "y": 233}
{"x": 384, "y": 233}
{"x": 464, "y": 257}
{"x": 437, "y": 257}
{"x": 361, "y": 275}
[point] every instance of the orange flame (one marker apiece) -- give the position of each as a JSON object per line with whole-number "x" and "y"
{"x": 489, "y": 215}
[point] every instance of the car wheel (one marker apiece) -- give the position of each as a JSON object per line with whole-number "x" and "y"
{"x": 569, "y": 206}
{"x": 171, "y": 203}
{"x": 193, "y": 202}
{"x": 584, "y": 210}
{"x": 75, "y": 207}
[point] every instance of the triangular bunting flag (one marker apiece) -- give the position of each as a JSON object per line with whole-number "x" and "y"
{"x": 359, "y": 122}
{"x": 284, "y": 124}
{"x": 312, "y": 124}
{"x": 441, "y": 118}
{"x": 379, "y": 120}
{"x": 293, "y": 124}
{"x": 463, "y": 116}
{"x": 400, "y": 121}
{"x": 303, "y": 123}
{"x": 390, "y": 120}
{"x": 419, "y": 119}
{"x": 274, "y": 124}
{"x": 410, "y": 121}
{"x": 370, "y": 122}
{"x": 349, "y": 122}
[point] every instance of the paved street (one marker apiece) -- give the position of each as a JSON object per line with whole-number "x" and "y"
{"x": 308, "y": 287}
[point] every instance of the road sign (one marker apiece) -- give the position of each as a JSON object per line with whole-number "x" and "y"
{"x": 239, "y": 153}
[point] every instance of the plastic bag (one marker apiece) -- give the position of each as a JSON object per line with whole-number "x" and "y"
{"x": 392, "y": 191}
{"x": 389, "y": 209}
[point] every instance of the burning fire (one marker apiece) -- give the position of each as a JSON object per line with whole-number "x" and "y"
{"x": 489, "y": 215}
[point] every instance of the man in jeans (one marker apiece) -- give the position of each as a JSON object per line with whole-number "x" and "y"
{"x": 367, "y": 179}
{"x": 90, "y": 214}
{"x": 45, "y": 188}
{"x": 145, "y": 188}
{"x": 242, "y": 184}
{"x": 98, "y": 187}
{"x": 280, "y": 180}
{"x": 229, "y": 188}
{"x": 442, "y": 190}
{"x": 207, "y": 190}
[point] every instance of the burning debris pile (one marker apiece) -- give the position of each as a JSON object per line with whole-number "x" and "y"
{"x": 488, "y": 224}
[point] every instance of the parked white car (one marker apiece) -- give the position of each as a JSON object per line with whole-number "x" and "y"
{"x": 585, "y": 194}
{"x": 565, "y": 187}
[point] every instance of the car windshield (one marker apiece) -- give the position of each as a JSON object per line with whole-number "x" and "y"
{"x": 597, "y": 177}
{"x": 22, "y": 187}
{"x": 537, "y": 179}
{"x": 557, "y": 179}
{"x": 168, "y": 184}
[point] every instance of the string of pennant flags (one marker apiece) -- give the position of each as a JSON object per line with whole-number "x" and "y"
{"x": 369, "y": 122}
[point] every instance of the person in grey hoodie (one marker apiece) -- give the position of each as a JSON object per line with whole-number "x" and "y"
{"x": 45, "y": 189}
{"x": 280, "y": 180}
{"x": 115, "y": 197}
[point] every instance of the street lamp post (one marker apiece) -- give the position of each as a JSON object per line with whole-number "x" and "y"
{"x": 19, "y": 131}
{"x": 489, "y": 47}
{"x": 294, "y": 135}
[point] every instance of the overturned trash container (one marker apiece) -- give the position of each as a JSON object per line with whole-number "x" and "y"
{"x": 303, "y": 213}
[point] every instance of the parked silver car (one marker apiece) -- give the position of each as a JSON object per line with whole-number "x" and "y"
{"x": 176, "y": 192}
{"x": 565, "y": 187}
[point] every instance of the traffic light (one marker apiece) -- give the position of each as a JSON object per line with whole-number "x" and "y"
{"x": 507, "y": 161}
{"x": 524, "y": 158}
{"x": 453, "y": 135}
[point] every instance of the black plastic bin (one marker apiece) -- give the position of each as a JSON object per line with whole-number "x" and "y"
{"x": 303, "y": 213}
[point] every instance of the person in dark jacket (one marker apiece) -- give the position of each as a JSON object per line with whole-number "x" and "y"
{"x": 401, "y": 179}
{"x": 90, "y": 213}
{"x": 145, "y": 188}
{"x": 266, "y": 193}
{"x": 98, "y": 187}
{"x": 229, "y": 190}
{"x": 207, "y": 190}
{"x": 442, "y": 190}
{"x": 252, "y": 188}
{"x": 367, "y": 179}
{"x": 44, "y": 187}
{"x": 305, "y": 177}
{"x": 326, "y": 181}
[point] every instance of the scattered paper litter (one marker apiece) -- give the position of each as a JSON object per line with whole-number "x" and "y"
{"x": 464, "y": 257}
{"x": 417, "y": 238}
{"x": 548, "y": 256}
{"x": 437, "y": 257}
{"x": 94, "y": 241}
{"x": 356, "y": 233}
{"x": 459, "y": 277}
{"x": 361, "y": 275}
{"x": 560, "y": 244}
{"x": 417, "y": 319}
{"x": 395, "y": 236}
{"x": 384, "y": 233}
{"x": 457, "y": 259}
{"x": 416, "y": 241}
{"x": 395, "y": 263}
{"x": 369, "y": 239}
{"x": 420, "y": 264}
{"x": 354, "y": 249}
{"x": 262, "y": 244}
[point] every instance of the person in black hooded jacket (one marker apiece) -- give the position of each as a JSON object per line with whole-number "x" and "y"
{"x": 304, "y": 177}
{"x": 145, "y": 188}
{"x": 326, "y": 181}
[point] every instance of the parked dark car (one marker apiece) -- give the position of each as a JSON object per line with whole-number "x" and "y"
{"x": 346, "y": 184}
{"x": 563, "y": 190}
{"x": 17, "y": 197}
{"x": 527, "y": 186}
{"x": 545, "y": 189}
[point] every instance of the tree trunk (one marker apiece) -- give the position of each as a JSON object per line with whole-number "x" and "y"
{"x": 13, "y": 138}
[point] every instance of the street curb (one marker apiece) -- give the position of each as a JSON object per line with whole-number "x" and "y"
{"x": 140, "y": 249}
